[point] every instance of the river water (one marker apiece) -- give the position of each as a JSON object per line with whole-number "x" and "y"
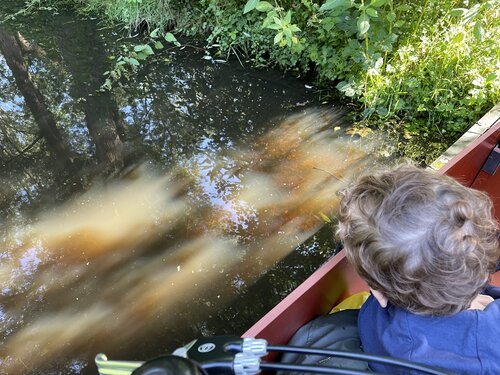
{"x": 185, "y": 202}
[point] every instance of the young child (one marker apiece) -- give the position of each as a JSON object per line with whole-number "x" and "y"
{"x": 426, "y": 247}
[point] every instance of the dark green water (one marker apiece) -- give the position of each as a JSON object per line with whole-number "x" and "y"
{"x": 178, "y": 112}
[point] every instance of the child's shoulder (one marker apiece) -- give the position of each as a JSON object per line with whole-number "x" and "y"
{"x": 463, "y": 341}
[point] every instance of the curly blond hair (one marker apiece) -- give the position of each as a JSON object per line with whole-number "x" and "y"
{"x": 426, "y": 242}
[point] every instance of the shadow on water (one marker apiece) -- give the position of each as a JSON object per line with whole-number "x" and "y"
{"x": 187, "y": 202}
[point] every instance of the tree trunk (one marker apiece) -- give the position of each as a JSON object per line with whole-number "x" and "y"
{"x": 84, "y": 54}
{"x": 34, "y": 98}
{"x": 102, "y": 119}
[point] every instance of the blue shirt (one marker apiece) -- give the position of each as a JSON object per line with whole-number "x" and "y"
{"x": 465, "y": 343}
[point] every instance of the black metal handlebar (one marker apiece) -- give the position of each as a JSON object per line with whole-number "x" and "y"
{"x": 232, "y": 355}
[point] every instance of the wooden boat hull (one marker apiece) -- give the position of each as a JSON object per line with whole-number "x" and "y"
{"x": 336, "y": 279}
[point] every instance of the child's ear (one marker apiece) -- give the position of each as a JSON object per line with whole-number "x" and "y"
{"x": 382, "y": 300}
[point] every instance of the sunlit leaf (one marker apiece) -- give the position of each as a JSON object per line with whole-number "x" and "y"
{"x": 363, "y": 24}
{"x": 278, "y": 37}
{"x": 458, "y": 12}
{"x": 264, "y": 6}
{"x": 273, "y": 26}
{"x": 250, "y": 5}
{"x": 334, "y": 4}
{"x": 478, "y": 31}
{"x": 288, "y": 17}
{"x": 458, "y": 38}
{"x": 490, "y": 78}
{"x": 372, "y": 12}
{"x": 158, "y": 45}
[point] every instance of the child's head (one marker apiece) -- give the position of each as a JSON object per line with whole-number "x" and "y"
{"x": 424, "y": 241}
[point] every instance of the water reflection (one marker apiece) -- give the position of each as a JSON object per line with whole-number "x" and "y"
{"x": 133, "y": 221}
{"x": 110, "y": 266}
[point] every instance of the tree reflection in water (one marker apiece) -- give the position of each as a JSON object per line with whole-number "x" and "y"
{"x": 131, "y": 221}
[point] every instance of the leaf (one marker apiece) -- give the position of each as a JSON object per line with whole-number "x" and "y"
{"x": 328, "y": 23}
{"x": 169, "y": 37}
{"x": 133, "y": 61}
{"x": 158, "y": 45}
{"x": 391, "y": 16}
{"x": 264, "y": 6}
{"x": 458, "y": 38}
{"x": 107, "y": 84}
{"x": 144, "y": 49}
{"x": 371, "y": 12}
{"x": 334, "y": 4}
{"x": 478, "y": 31}
{"x": 288, "y": 17}
{"x": 278, "y": 37}
{"x": 403, "y": 8}
{"x": 363, "y": 24}
{"x": 490, "y": 78}
{"x": 250, "y": 5}
{"x": 154, "y": 33}
{"x": 274, "y": 26}
{"x": 458, "y": 12}
{"x": 141, "y": 56}
{"x": 148, "y": 50}
{"x": 377, "y": 3}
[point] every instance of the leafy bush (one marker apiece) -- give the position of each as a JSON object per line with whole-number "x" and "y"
{"x": 429, "y": 63}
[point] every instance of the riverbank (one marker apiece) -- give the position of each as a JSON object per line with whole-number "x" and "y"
{"x": 421, "y": 71}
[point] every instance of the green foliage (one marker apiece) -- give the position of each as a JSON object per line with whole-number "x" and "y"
{"x": 132, "y": 56}
{"x": 136, "y": 14}
{"x": 428, "y": 65}
{"x": 432, "y": 66}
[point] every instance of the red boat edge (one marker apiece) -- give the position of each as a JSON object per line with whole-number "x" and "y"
{"x": 336, "y": 279}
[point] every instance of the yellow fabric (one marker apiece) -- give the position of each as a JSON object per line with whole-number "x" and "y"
{"x": 352, "y": 302}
